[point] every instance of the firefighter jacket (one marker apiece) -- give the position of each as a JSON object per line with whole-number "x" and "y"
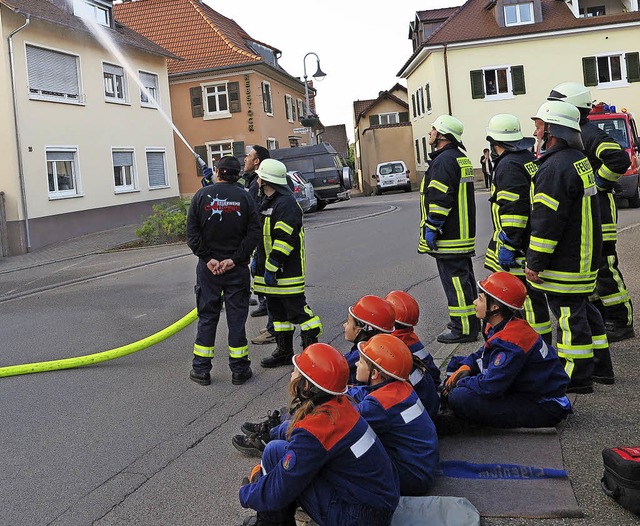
{"x": 251, "y": 185}
{"x": 515, "y": 359}
{"x": 222, "y": 223}
{"x": 566, "y": 236}
{"x": 447, "y": 204}
{"x": 510, "y": 207}
{"x": 334, "y": 451}
{"x": 395, "y": 413}
{"x": 281, "y": 249}
{"x": 609, "y": 161}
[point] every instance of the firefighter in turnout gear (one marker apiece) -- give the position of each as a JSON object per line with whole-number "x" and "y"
{"x": 222, "y": 230}
{"x": 510, "y": 209}
{"x": 448, "y": 225}
{"x": 609, "y": 162}
{"x": 280, "y": 264}
{"x": 566, "y": 236}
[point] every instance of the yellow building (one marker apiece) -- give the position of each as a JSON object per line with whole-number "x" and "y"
{"x": 83, "y": 149}
{"x": 505, "y": 56}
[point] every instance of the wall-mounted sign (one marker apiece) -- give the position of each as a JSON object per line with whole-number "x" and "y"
{"x": 247, "y": 87}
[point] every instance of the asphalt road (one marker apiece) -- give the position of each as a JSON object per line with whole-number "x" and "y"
{"x": 133, "y": 441}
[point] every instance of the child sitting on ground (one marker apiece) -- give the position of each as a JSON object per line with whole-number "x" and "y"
{"x": 425, "y": 376}
{"x": 393, "y": 410}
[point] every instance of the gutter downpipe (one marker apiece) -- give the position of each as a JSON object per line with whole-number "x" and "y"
{"x": 446, "y": 77}
{"x": 23, "y": 192}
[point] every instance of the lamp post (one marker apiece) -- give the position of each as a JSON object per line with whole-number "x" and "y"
{"x": 310, "y": 120}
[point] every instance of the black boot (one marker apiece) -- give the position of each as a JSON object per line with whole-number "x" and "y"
{"x": 273, "y": 419}
{"x": 307, "y": 339}
{"x": 283, "y": 353}
{"x": 259, "y": 520}
{"x": 602, "y": 367}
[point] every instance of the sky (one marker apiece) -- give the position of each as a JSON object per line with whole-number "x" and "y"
{"x": 361, "y": 45}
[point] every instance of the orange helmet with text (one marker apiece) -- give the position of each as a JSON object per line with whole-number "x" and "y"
{"x": 389, "y": 354}
{"x": 406, "y": 307}
{"x": 375, "y": 312}
{"x": 324, "y": 367}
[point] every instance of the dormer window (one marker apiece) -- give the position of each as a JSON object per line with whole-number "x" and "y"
{"x": 95, "y": 10}
{"x": 518, "y": 14}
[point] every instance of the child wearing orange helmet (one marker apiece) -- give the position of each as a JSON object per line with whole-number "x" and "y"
{"x": 392, "y": 408}
{"x": 515, "y": 379}
{"x": 331, "y": 463}
{"x": 425, "y": 376}
{"x": 368, "y": 316}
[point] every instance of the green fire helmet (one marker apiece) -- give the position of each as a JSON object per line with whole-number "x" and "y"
{"x": 573, "y": 93}
{"x": 504, "y": 129}
{"x": 449, "y": 125}
{"x": 273, "y": 172}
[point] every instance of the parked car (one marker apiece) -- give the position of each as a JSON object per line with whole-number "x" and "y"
{"x": 303, "y": 192}
{"x": 321, "y": 166}
{"x": 392, "y": 175}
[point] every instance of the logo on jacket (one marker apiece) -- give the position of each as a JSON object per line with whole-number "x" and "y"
{"x": 499, "y": 359}
{"x": 289, "y": 461}
{"x": 222, "y": 206}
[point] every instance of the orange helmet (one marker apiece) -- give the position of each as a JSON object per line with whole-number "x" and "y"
{"x": 375, "y": 312}
{"x": 406, "y": 307}
{"x": 389, "y": 354}
{"x": 324, "y": 367}
{"x": 506, "y": 288}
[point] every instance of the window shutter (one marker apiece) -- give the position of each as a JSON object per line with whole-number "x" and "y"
{"x": 403, "y": 116}
{"x": 155, "y": 169}
{"x": 196, "y": 102}
{"x": 122, "y": 159}
{"x": 238, "y": 150}
{"x": 52, "y": 71}
{"x": 413, "y": 105}
{"x": 428, "y": 90}
{"x": 477, "y": 81}
{"x": 277, "y": 145}
{"x": 202, "y": 152}
{"x": 589, "y": 71}
{"x": 633, "y": 66}
{"x": 418, "y": 151}
{"x": 233, "y": 89}
{"x": 374, "y": 120}
{"x": 149, "y": 80}
{"x": 517, "y": 80}
{"x": 59, "y": 156}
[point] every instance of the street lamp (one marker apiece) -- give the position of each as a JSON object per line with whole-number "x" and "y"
{"x": 310, "y": 119}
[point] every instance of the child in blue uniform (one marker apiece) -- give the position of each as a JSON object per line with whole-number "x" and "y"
{"x": 425, "y": 376}
{"x": 370, "y": 315}
{"x": 332, "y": 464}
{"x": 515, "y": 379}
{"x": 393, "y": 410}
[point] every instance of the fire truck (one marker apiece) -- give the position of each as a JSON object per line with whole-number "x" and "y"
{"x": 621, "y": 127}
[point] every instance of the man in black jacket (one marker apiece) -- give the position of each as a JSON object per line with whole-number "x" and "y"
{"x": 223, "y": 231}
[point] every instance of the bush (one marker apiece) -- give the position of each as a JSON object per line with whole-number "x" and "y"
{"x": 167, "y": 224}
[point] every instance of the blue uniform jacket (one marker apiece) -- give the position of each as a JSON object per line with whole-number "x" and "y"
{"x": 514, "y": 359}
{"x": 352, "y": 358}
{"x": 395, "y": 413}
{"x": 336, "y": 447}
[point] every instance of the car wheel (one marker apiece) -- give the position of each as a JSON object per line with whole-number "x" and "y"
{"x": 634, "y": 202}
{"x": 378, "y": 191}
{"x": 407, "y": 188}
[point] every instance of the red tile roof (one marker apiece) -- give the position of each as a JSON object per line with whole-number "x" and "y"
{"x": 204, "y": 38}
{"x": 433, "y": 15}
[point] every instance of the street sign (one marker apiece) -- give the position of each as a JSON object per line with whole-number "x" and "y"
{"x": 301, "y": 130}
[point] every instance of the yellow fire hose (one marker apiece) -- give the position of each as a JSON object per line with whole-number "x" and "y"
{"x": 89, "y": 359}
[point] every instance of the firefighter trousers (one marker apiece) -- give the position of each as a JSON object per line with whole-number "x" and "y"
{"x": 234, "y": 288}
{"x": 459, "y": 284}
{"x": 580, "y": 334}
{"x": 612, "y": 298}
{"x": 289, "y": 311}
{"x": 536, "y": 312}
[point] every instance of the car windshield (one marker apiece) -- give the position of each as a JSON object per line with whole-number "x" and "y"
{"x": 616, "y": 129}
{"x": 390, "y": 168}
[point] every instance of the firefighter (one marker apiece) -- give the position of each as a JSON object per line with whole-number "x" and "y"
{"x": 392, "y": 408}
{"x": 330, "y": 462}
{"x": 609, "y": 162}
{"x": 515, "y": 379}
{"x": 448, "y": 225}
{"x": 566, "y": 237}
{"x": 222, "y": 230}
{"x": 279, "y": 264}
{"x": 510, "y": 209}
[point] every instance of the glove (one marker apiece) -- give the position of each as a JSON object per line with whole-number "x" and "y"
{"x": 430, "y": 237}
{"x": 207, "y": 176}
{"x": 507, "y": 258}
{"x": 270, "y": 278}
{"x": 253, "y": 266}
{"x": 452, "y": 381}
{"x": 603, "y": 184}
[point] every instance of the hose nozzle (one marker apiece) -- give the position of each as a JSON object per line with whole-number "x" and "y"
{"x": 200, "y": 162}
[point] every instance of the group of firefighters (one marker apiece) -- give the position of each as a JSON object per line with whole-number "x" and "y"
{"x": 359, "y": 430}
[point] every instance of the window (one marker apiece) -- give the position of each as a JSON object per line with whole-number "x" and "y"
{"x": 96, "y": 11}
{"x": 216, "y": 101}
{"x": 123, "y": 170}
{"x": 272, "y": 144}
{"x": 114, "y": 83}
{"x": 420, "y": 100}
{"x": 424, "y": 149}
{"x": 62, "y": 172}
{"x": 497, "y": 83}
{"x": 300, "y": 109}
{"x": 418, "y": 151}
{"x": 389, "y": 118}
{"x": 267, "y": 103}
{"x": 156, "y": 168}
{"x": 393, "y": 117}
{"x": 219, "y": 149}
{"x": 150, "y": 82}
{"x": 413, "y": 105}
{"x": 427, "y": 90}
{"x": 611, "y": 70}
{"x": 53, "y": 75}
{"x": 596, "y": 10}
{"x": 289, "y": 108}
{"x": 518, "y": 14}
